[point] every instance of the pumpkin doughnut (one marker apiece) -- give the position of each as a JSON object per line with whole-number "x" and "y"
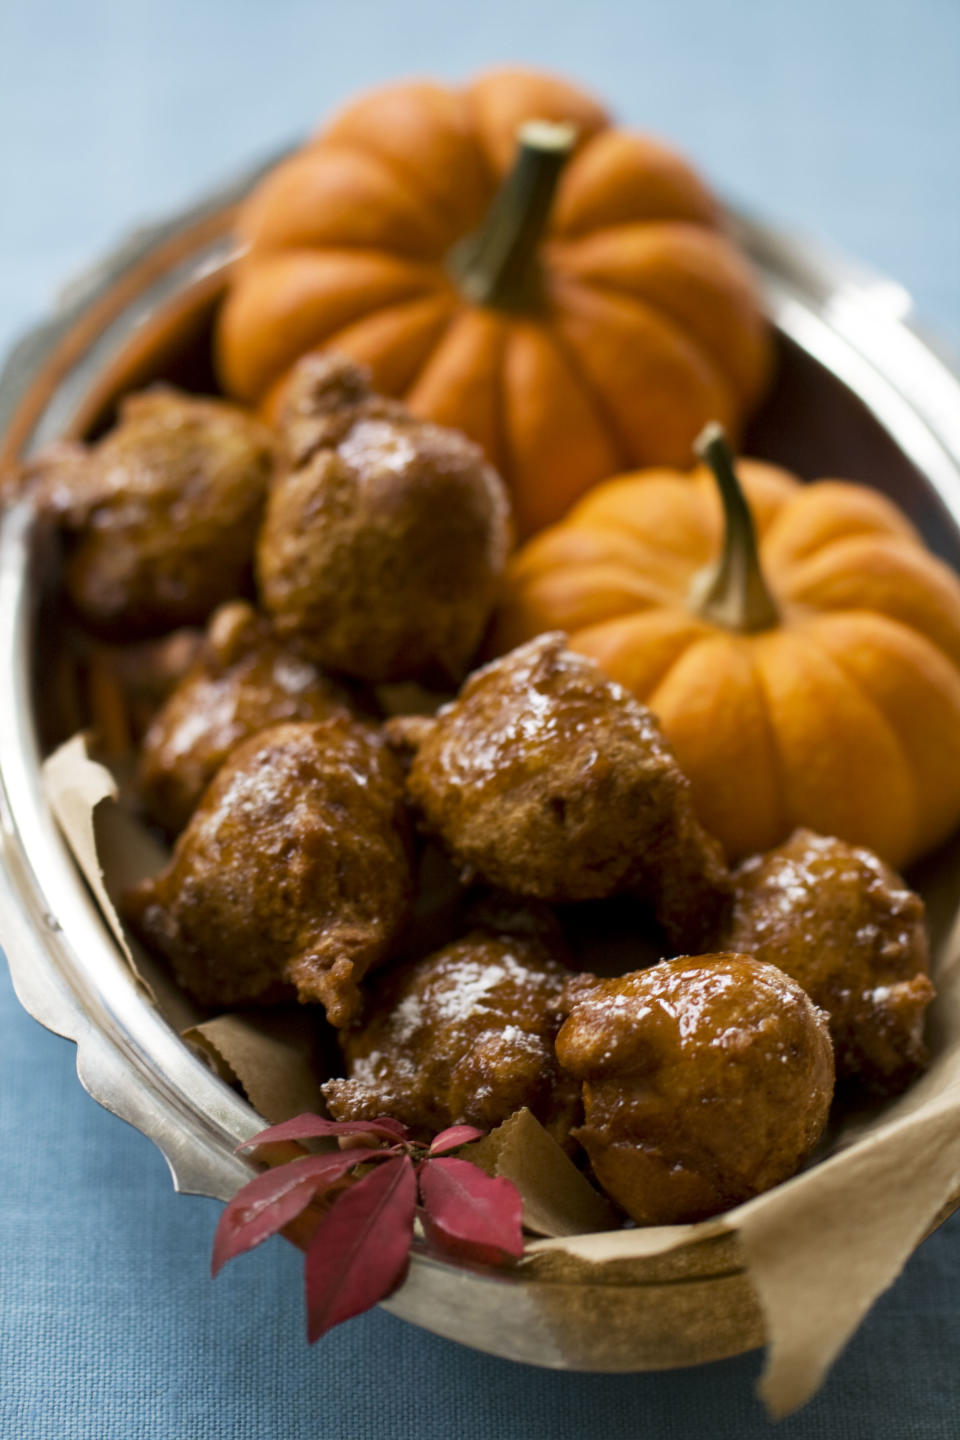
{"x": 293, "y": 873}
{"x": 545, "y": 779}
{"x": 706, "y": 1080}
{"x": 848, "y": 930}
{"x": 384, "y": 538}
{"x": 243, "y": 680}
{"x": 162, "y": 513}
{"x": 463, "y": 1036}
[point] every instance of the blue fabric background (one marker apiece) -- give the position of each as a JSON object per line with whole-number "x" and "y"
{"x": 839, "y": 119}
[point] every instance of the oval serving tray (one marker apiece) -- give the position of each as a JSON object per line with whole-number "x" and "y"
{"x": 859, "y": 393}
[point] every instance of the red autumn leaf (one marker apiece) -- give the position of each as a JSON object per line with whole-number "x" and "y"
{"x": 314, "y": 1127}
{"x": 361, "y": 1249}
{"x": 273, "y": 1199}
{"x": 456, "y": 1135}
{"x": 468, "y": 1214}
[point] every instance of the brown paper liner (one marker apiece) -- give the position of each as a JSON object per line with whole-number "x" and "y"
{"x": 799, "y": 1265}
{"x": 557, "y": 1200}
{"x": 75, "y": 787}
{"x": 274, "y": 1056}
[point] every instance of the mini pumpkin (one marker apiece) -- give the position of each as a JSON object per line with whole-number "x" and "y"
{"x": 568, "y": 300}
{"x": 810, "y": 675}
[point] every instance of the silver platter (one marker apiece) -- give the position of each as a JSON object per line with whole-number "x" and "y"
{"x": 861, "y": 393}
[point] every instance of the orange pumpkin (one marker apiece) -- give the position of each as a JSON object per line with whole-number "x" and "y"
{"x": 568, "y": 300}
{"x": 812, "y": 677}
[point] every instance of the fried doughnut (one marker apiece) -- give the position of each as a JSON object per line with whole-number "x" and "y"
{"x": 848, "y": 929}
{"x": 244, "y": 680}
{"x": 706, "y": 1080}
{"x": 547, "y": 780}
{"x": 463, "y": 1036}
{"x": 164, "y": 513}
{"x": 384, "y": 538}
{"x": 293, "y": 871}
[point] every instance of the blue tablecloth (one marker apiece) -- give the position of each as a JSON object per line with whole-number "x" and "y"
{"x": 839, "y": 119}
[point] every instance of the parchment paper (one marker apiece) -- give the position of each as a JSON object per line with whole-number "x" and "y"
{"x": 276, "y": 1056}
{"x": 557, "y": 1200}
{"x": 818, "y": 1249}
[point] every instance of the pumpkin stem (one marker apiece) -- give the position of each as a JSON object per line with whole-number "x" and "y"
{"x": 498, "y": 264}
{"x": 733, "y": 593}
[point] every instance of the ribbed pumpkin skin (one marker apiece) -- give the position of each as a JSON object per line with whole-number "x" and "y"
{"x": 844, "y": 718}
{"x": 647, "y": 324}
